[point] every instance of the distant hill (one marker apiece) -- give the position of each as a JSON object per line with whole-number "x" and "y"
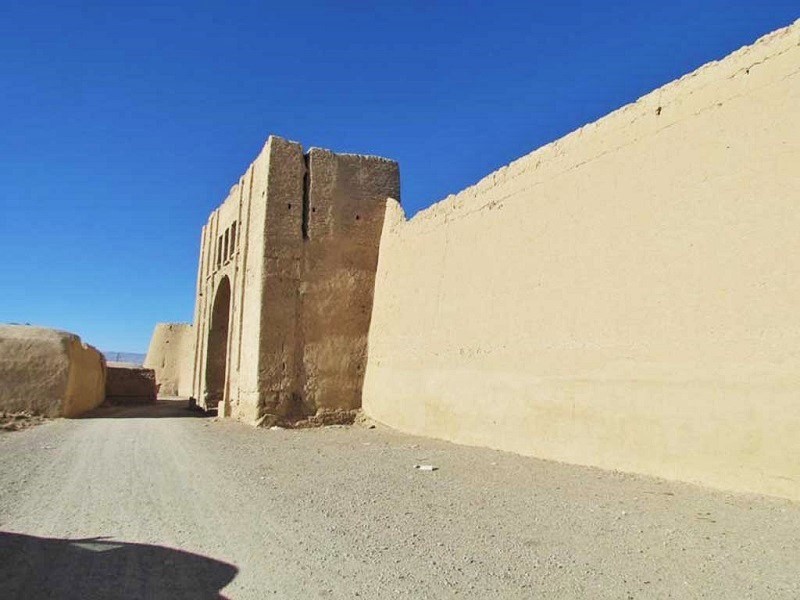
{"x": 134, "y": 358}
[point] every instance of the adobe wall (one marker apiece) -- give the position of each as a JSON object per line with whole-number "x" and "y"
{"x": 626, "y": 297}
{"x": 48, "y": 372}
{"x": 306, "y": 242}
{"x": 130, "y": 385}
{"x": 171, "y": 356}
{"x": 86, "y": 380}
{"x": 346, "y": 205}
{"x": 231, "y": 279}
{"x": 279, "y": 303}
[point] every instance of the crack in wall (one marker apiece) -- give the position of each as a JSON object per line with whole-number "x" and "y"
{"x": 306, "y": 185}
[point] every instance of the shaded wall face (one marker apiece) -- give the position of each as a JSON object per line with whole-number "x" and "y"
{"x": 87, "y": 378}
{"x": 217, "y": 353}
{"x": 215, "y": 318}
{"x": 130, "y": 385}
{"x": 626, "y": 297}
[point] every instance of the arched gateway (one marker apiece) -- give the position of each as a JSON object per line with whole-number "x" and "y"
{"x": 217, "y": 353}
{"x": 300, "y": 232}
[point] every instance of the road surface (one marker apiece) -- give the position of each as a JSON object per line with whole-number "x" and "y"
{"x": 157, "y": 502}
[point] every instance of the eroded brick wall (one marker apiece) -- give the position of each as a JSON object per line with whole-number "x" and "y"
{"x": 296, "y": 282}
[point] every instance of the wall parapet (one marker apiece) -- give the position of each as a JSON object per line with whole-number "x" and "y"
{"x": 649, "y": 114}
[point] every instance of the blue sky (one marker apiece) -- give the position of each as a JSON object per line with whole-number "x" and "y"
{"x": 124, "y": 124}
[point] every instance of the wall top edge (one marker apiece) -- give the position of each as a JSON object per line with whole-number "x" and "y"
{"x": 366, "y": 157}
{"x": 734, "y": 64}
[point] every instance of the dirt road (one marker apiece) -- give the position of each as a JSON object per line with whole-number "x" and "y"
{"x": 157, "y": 503}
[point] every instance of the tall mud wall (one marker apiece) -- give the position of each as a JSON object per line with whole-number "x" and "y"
{"x": 285, "y": 283}
{"x": 171, "y": 356}
{"x": 346, "y": 204}
{"x": 323, "y": 225}
{"x": 626, "y": 297}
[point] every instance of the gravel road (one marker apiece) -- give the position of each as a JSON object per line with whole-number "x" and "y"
{"x": 155, "y": 502}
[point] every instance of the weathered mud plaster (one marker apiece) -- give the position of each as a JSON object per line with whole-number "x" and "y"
{"x": 48, "y": 372}
{"x": 130, "y": 385}
{"x": 171, "y": 356}
{"x": 284, "y": 290}
{"x": 626, "y": 297}
{"x": 346, "y": 204}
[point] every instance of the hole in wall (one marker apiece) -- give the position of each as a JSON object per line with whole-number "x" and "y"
{"x": 658, "y": 111}
{"x": 289, "y": 206}
{"x": 358, "y": 217}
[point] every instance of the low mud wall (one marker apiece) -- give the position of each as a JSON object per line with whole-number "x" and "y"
{"x": 130, "y": 385}
{"x": 48, "y": 372}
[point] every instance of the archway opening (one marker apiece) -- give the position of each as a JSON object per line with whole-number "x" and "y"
{"x": 217, "y": 355}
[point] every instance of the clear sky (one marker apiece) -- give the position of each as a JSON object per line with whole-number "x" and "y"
{"x": 123, "y": 124}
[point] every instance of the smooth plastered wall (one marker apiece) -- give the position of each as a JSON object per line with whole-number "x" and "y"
{"x": 171, "y": 356}
{"x": 626, "y": 297}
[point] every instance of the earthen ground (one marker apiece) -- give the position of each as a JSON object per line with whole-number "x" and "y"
{"x": 340, "y": 512}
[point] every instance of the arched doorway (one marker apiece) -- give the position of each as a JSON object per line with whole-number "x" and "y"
{"x": 217, "y": 354}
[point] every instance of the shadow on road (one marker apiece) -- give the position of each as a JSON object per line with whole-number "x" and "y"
{"x": 34, "y": 567}
{"x": 162, "y": 408}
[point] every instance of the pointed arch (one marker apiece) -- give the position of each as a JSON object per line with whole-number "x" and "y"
{"x": 217, "y": 353}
